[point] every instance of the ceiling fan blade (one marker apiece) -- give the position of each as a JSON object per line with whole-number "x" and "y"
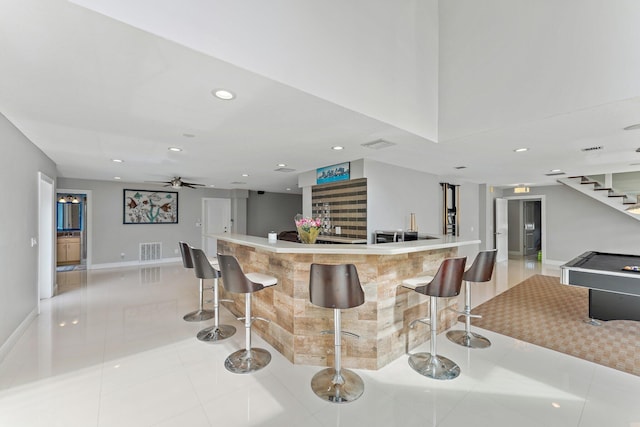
{"x": 191, "y": 184}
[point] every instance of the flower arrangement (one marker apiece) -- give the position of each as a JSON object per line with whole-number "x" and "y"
{"x": 308, "y": 228}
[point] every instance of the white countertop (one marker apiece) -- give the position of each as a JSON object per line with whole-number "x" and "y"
{"x": 281, "y": 246}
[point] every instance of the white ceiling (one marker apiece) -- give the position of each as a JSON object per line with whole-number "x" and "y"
{"x": 463, "y": 89}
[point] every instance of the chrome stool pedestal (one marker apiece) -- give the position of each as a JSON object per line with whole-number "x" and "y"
{"x": 206, "y": 269}
{"x": 480, "y": 271}
{"x": 337, "y": 287}
{"x": 201, "y": 313}
{"x": 431, "y": 364}
{"x": 249, "y": 359}
{"x": 445, "y": 284}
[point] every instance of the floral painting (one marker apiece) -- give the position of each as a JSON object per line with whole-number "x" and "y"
{"x": 150, "y": 207}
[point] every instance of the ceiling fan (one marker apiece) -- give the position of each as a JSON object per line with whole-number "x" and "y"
{"x": 177, "y": 182}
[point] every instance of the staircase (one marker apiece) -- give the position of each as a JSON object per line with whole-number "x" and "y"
{"x": 608, "y": 196}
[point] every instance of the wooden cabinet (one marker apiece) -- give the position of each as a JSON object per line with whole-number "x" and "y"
{"x": 68, "y": 248}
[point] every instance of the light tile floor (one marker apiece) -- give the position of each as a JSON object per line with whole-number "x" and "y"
{"x": 112, "y": 350}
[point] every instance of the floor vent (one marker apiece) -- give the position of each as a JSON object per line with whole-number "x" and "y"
{"x": 150, "y": 251}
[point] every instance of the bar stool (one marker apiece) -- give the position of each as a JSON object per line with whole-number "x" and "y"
{"x": 445, "y": 284}
{"x": 480, "y": 271}
{"x": 336, "y": 287}
{"x": 234, "y": 280}
{"x": 205, "y": 269}
{"x": 200, "y": 314}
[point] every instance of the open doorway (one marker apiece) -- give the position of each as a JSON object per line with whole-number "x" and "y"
{"x": 526, "y": 228}
{"x": 73, "y": 229}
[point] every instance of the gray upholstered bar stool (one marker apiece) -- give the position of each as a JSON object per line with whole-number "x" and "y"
{"x": 445, "y": 284}
{"x": 337, "y": 287}
{"x": 201, "y": 313}
{"x": 205, "y": 269}
{"x": 234, "y": 280}
{"x": 480, "y": 271}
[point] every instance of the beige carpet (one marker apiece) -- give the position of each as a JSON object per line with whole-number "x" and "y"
{"x": 541, "y": 311}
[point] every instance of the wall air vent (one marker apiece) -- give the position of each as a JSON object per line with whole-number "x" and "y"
{"x": 596, "y": 148}
{"x": 150, "y": 251}
{"x": 284, "y": 170}
{"x": 378, "y": 144}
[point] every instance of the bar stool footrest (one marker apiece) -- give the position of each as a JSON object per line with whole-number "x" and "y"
{"x": 469, "y": 340}
{"x": 324, "y": 386}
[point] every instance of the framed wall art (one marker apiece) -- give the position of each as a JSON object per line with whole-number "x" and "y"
{"x": 150, "y": 207}
{"x": 333, "y": 173}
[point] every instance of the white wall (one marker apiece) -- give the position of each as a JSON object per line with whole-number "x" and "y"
{"x": 577, "y": 223}
{"x": 111, "y": 237}
{"x": 19, "y": 166}
{"x": 580, "y": 51}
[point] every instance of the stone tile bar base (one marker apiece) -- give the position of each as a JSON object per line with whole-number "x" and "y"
{"x": 382, "y": 322}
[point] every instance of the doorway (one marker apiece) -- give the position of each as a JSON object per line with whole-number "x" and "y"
{"x": 526, "y": 236}
{"x": 216, "y": 219}
{"x": 73, "y": 229}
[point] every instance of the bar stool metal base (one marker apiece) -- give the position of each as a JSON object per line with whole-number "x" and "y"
{"x": 216, "y": 333}
{"x": 327, "y": 387}
{"x": 438, "y": 367}
{"x": 199, "y": 315}
{"x": 470, "y": 340}
{"x": 243, "y": 362}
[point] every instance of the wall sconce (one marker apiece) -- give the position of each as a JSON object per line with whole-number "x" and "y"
{"x": 519, "y": 190}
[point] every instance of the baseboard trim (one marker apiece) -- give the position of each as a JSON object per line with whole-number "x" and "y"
{"x": 15, "y": 336}
{"x": 133, "y": 263}
{"x": 554, "y": 262}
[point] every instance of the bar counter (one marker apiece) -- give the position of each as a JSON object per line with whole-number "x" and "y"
{"x": 382, "y": 322}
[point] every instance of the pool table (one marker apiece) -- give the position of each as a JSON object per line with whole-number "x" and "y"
{"x": 613, "y": 281}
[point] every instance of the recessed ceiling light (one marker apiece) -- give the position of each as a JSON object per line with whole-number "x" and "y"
{"x": 211, "y": 185}
{"x": 117, "y": 160}
{"x": 288, "y": 189}
{"x": 281, "y": 165}
{"x": 633, "y": 127}
{"x": 555, "y": 170}
{"x": 521, "y": 150}
{"x": 245, "y": 174}
{"x": 337, "y": 147}
{"x": 176, "y": 149}
{"x": 116, "y": 177}
{"x": 223, "y": 94}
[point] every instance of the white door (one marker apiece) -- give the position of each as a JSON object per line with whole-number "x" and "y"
{"x": 46, "y": 251}
{"x": 502, "y": 229}
{"x": 216, "y": 219}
